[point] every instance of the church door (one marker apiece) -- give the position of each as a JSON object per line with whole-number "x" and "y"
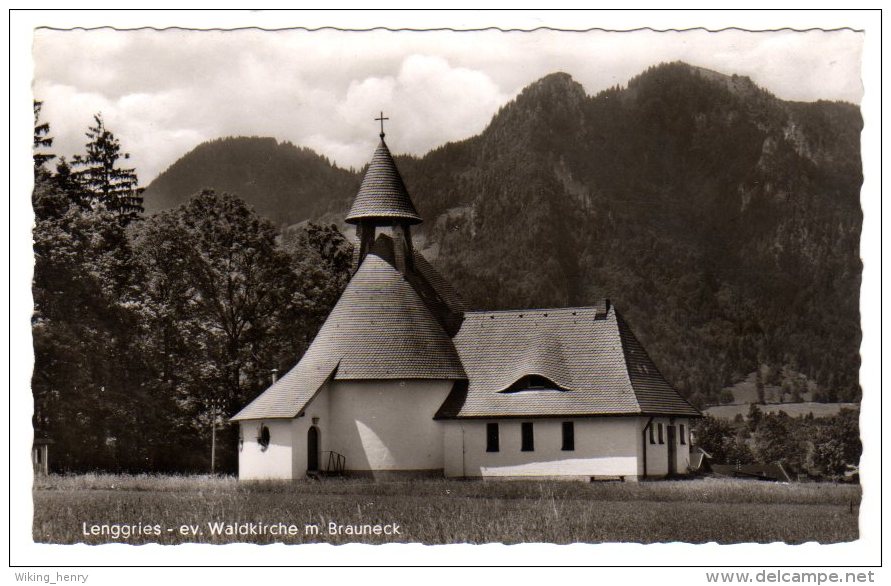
{"x": 312, "y": 449}
{"x": 672, "y": 451}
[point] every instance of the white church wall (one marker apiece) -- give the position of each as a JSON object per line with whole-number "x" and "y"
{"x": 272, "y": 462}
{"x": 388, "y": 425}
{"x": 454, "y": 445}
{"x": 657, "y": 452}
{"x": 603, "y": 447}
{"x": 316, "y": 413}
{"x": 683, "y": 451}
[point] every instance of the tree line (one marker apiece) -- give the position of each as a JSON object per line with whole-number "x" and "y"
{"x": 818, "y": 446}
{"x": 149, "y": 332}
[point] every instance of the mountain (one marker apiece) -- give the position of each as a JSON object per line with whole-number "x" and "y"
{"x": 724, "y": 222}
{"x": 285, "y": 183}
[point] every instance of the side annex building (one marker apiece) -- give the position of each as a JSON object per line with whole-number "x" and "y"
{"x": 404, "y": 380}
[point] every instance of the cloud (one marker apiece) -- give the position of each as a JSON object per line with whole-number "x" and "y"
{"x": 164, "y": 92}
{"x": 147, "y": 125}
{"x": 441, "y": 103}
{"x": 428, "y": 101}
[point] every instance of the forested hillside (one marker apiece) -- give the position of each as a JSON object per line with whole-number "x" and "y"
{"x": 284, "y": 183}
{"x": 723, "y": 222}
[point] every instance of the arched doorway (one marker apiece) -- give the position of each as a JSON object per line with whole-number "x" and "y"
{"x": 312, "y": 449}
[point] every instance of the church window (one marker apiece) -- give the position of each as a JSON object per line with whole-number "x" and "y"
{"x": 683, "y": 434}
{"x": 263, "y": 438}
{"x": 491, "y": 437}
{"x": 661, "y": 437}
{"x": 568, "y": 436}
{"x": 652, "y": 433}
{"x": 527, "y": 437}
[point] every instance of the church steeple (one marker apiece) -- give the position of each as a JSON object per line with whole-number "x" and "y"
{"x": 382, "y": 201}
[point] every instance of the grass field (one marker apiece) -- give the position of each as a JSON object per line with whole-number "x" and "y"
{"x": 746, "y": 390}
{"x": 440, "y": 511}
{"x": 791, "y": 409}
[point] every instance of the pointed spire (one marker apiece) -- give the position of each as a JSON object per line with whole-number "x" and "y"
{"x": 383, "y": 198}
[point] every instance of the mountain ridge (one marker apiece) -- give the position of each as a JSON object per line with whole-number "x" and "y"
{"x": 721, "y": 219}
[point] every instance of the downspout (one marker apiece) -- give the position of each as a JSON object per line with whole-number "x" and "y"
{"x": 644, "y": 438}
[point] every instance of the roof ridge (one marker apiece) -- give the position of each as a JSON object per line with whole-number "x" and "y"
{"x": 536, "y": 309}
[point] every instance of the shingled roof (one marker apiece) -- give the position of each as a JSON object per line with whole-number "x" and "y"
{"x": 383, "y": 194}
{"x": 380, "y": 328}
{"x": 413, "y": 325}
{"x": 590, "y": 355}
{"x": 437, "y": 294}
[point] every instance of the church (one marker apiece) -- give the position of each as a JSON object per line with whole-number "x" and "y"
{"x": 403, "y": 380}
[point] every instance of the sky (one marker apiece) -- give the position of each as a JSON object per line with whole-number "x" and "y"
{"x": 163, "y": 92}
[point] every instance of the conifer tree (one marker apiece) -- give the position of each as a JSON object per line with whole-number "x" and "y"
{"x": 68, "y": 183}
{"x": 41, "y": 139}
{"x": 100, "y": 177}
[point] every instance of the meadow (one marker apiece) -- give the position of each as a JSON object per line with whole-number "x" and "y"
{"x": 790, "y": 409}
{"x": 196, "y": 509}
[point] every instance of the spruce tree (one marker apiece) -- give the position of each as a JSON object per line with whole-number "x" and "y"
{"x": 100, "y": 177}
{"x": 41, "y": 139}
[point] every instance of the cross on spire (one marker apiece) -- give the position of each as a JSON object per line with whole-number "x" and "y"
{"x": 381, "y": 118}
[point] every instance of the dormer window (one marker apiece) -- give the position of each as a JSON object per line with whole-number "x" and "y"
{"x": 533, "y": 382}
